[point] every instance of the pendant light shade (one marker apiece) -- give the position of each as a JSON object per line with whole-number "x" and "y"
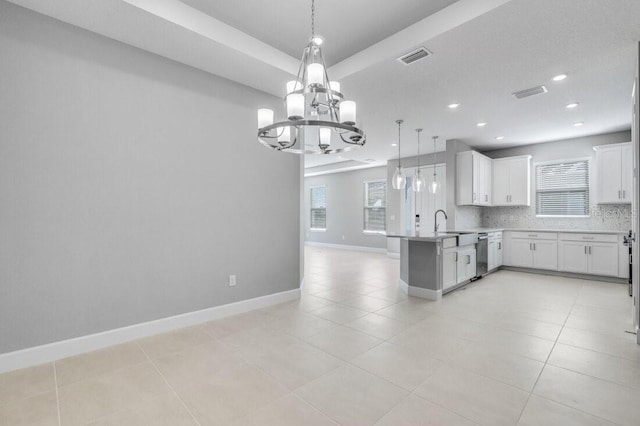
{"x": 419, "y": 183}
{"x": 434, "y": 186}
{"x": 399, "y": 181}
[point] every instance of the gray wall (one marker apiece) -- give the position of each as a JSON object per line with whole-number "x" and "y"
{"x": 603, "y": 217}
{"x": 345, "y": 208}
{"x": 131, "y": 187}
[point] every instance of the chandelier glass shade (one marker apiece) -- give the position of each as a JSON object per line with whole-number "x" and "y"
{"x": 319, "y": 120}
{"x": 433, "y": 187}
{"x": 399, "y": 180}
{"x": 419, "y": 183}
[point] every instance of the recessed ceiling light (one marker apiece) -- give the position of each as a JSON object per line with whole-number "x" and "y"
{"x": 578, "y": 124}
{"x": 572, "y": 105}
{"x": 317, "y": 40}
{"x": 499, "y": 138}
{"x": 482, "y": 124}
{"x": 453, "y": 106}
{"x": 394, "y": 144}
{"x": 559, "y": 77}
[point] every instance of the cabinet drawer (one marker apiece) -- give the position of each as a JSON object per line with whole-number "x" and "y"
{"x": 495, "y": 236}
{"x": 600, "y": 238}
{"x": 535, "y": 235}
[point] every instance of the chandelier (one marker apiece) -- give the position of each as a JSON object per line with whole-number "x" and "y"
{"x": 319, "y": 119}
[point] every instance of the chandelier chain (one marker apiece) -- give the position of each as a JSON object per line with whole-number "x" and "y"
{"x": 313, "y": 18}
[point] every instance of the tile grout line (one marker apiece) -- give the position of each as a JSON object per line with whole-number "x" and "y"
{"x": 55, "y": 379}
{"x": 155, "y": 367}
{"x": 575, "y": 300}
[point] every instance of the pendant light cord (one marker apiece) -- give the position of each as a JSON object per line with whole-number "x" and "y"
{"x": 399, "y": 124}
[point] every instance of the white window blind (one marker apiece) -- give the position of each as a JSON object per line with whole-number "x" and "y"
{"x": 319, "y": 207}
{"x": 562, "y": 189}
{"x": 375, "y": 203}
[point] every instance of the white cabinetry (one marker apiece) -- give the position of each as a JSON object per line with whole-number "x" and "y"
{"x": 538, "y": 250}
{"x": 494, "y": 250}
{"x": 466, "y": 265}
{"x": 595, "y": 254}
{"x": 512, "y": 181}
{"x": 473, "y": 179}
{"x": 614, "y": 173}
{"x": 449, "y": 264}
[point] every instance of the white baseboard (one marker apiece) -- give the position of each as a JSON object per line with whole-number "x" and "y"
{"x": 57, "y": 350}
{"x": 345, "y": 247}
{"x": 425, "y": 293}
{"x": 422, "y": 293}
{"x": 403, "y": 286}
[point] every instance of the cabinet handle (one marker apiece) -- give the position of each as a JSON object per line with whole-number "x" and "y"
{"x": 499, "y": 246}
{"x": 456, "y": 256}
{"x": 589, "y": 249}
{"x": 624, "y": 194}
{"x": 486, "y": 197}
{"x": 585, "y": 249}
{"x": 530, "y": 246}
{"x": 468, "y": 259}
{"x": 534, "y": 246}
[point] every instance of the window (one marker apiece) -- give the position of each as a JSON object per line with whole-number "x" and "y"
{"x": 375, "y": 202}
{"x": 319, "y": 208}
{"x": 562, "y": 188}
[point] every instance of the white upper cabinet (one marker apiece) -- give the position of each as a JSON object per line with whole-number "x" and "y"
{"x": 512, "y": 181}
{"x": 614, "y": 173}
{"x": 473, "y": 179}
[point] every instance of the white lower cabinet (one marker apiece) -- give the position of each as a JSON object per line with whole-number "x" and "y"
{"x": 589, "y": 254}
{"x": 534, "y": 250}
{"x": 494, "y": 251}
{"x": 466, "y": 265}
{"x": 449, "y": 267}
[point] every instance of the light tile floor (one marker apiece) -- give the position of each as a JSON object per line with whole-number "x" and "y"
{"x": 511, "y": 349}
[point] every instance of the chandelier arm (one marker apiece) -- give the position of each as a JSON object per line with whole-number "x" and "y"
{"x": 350, "y": 142}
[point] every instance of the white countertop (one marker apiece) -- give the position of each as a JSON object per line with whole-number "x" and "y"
{"x": 575, "y": 231}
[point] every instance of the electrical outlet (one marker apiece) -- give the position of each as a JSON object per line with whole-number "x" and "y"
{"x": 232, "y": 280}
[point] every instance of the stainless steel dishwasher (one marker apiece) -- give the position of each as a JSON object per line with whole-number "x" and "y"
{"x": 482, "y": 254}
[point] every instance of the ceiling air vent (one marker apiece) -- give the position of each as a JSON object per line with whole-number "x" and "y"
{"x": 414, "y": 56}
{"x": 530, "y": 92}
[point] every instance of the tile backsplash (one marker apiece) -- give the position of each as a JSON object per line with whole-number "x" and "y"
{"x": 603, "y": 218}
{"x": 468, "y": 217}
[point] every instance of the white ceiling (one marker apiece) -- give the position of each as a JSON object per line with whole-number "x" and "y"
{"x": 359, "y": 24}
{"x": 483, "y": 51}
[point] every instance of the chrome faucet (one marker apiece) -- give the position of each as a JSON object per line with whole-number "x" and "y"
{"x": 435, "y": 219}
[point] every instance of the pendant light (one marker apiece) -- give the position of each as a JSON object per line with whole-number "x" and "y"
{"x": 419, "y": 182}
{"x": 399, "y": 181}
{"x": 433, "y": 188}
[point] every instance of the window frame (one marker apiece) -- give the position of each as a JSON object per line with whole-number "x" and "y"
{"x": 311, "y": 208}
{"x": 366, "y": 207}
{"x": 588, "y": 160}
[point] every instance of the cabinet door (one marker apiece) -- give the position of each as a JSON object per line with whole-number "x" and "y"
{"x": 449, "y": 265}
{"x": 545, "y": 254}
{"x": 603, "y": 259}
{"x": 464, "y": 178}
{"x": 471, "y": 265}
{"x": 500, "y": 183}
{"x": 466, "y": 268}
{"x": 573, "y": 257}
{"x": 498, "y": 255}
{"x": 488, "y": 179}
{"x": 626, "y": 170}
{"x": 609, "y": 163}
{"x": 521, "y": 253}
{"x": 477, "y": 179}
{"x": 519, "y": 182}
{"x": 491, "y": 254}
